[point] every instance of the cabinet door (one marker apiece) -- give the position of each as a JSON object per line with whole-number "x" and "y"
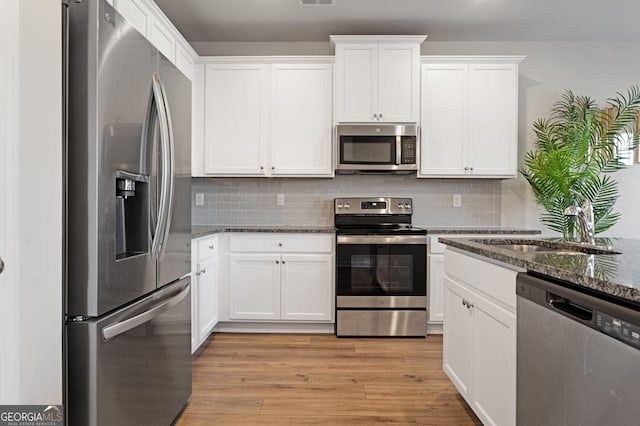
{"x": 307, "y": 287}
{"x": 398, "y": 82}
{"x": 207, "y": 297}
{"x": 254, "y": 286}
{"x": 493, "y": 119}
{"x": 356, "y": 82}
{"x": 236, "y": 124}
{"x": 301, "y": 142}
{"x": 494, "y": 363}
{"x": 136, "y": 12}
{"x": 435, "y": 266}
{"x": 444, "y": 119}
{"x": 457, "y": 338}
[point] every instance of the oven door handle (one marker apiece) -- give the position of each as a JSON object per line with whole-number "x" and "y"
{"x": 381, "y": 239}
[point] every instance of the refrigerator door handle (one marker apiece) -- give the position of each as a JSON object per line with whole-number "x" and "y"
{"x": 158, "y": 239}
{"x": 113, "y": 330}
{"x": 169, "y": 171}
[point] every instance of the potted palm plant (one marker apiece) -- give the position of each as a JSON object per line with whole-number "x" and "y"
{"x": 577, "y": 149}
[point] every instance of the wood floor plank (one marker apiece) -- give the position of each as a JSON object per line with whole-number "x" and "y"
{"x": 270, "y": 379}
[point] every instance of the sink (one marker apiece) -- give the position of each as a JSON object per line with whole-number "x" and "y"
{"x": 532, "y": 248}
{"x": 547, "y": 247}
{"x": 524, "y": 248}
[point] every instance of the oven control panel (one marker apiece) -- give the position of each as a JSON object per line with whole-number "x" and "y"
{"x": 378, "y": 206}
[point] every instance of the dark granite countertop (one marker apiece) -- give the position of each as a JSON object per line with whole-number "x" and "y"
{"x": 615, "y": 275}
{"x": 478, "y": 230}
{"x": 202, "y": 230}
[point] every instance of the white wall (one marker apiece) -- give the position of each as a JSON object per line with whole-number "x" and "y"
{"x": 35, "y": 198}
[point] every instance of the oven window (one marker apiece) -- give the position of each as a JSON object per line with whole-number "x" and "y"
{"x": 367, "y": 149}
{"x": 375, "y": 270}
{"x": 381, "y": 274}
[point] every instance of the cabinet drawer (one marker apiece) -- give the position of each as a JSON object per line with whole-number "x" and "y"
{"x": 281, "y": 243}
{"x": 207, "y": 247}
{"x": 495, "y": 281}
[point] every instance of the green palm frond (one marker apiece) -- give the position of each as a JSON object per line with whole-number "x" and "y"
{"x": 576, "y": 149}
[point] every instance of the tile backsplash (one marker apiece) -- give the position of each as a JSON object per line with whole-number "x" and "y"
{"x": 252, "y": 201}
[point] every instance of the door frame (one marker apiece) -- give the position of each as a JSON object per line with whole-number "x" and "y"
{"x": 9, "y": 214}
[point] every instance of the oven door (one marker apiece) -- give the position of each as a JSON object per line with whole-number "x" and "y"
{"x": 387, "y": 271}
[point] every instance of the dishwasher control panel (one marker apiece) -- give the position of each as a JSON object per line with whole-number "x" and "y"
{"x": 618, "y": 329}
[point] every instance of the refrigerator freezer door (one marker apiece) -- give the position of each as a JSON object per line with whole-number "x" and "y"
{"x": 140, "y": 374}
{"x": 175, "y": 257}
{"x": 110, "y": 182}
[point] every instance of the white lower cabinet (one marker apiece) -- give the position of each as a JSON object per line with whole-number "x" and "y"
{"x": 435, "y": 268}
{"x": 255, "y": 286}
{"x": 479, "y": 354}
{"x": 306, "y": 290}
{"x": 280, "y": 277}
{"x": 204, "y": 288}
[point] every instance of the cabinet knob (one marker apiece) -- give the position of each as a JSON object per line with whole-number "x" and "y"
{"x": 273, "y": 167}
{"x": 380, "y": 115}
{"x": 279, "y": 244}
{"x": 375, "y": 115}
{"x": 277, "y": 261}
{"x": 204, "y": 271}
{"x": 283, "y": 262}
{"x": 211, "y": 247}
{"x": 466, "y": 169}
{"x": 471, "y": 168}
{"x": 1, "y": 265}
{"x": 261, "y": 167}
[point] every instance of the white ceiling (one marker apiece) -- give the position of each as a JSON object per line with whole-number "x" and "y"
{"x": 441, "y": 20}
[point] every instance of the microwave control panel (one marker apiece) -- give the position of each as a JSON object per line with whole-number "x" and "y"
{"x": 408, "y": 155}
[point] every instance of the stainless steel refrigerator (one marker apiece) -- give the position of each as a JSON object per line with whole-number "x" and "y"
{"x": 128, "y": 224}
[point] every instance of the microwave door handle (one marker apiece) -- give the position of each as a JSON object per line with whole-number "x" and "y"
{"x": 398, "y": 150}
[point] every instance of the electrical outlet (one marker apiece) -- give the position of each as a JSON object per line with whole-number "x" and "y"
{"x": 457, "y": 200}
{"x": 279, "y": 200}
{"x": 199, "y": 199}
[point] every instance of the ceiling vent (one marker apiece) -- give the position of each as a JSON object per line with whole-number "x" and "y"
{"x": 316, "y": 2}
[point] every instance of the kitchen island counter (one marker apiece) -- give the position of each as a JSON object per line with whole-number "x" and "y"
{"x": 616, "y": 275}
{"x": 487, "y": 230}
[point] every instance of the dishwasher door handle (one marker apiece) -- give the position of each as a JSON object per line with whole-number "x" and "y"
{"x": 568, "y": 307}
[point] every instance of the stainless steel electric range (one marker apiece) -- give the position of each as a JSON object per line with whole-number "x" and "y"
{"x": 381, "y": 268}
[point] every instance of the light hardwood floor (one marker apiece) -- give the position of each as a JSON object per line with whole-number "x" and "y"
{"x": 284, "y": 379}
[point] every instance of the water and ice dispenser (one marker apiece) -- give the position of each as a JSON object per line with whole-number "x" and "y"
{"x": 132, "y": 214}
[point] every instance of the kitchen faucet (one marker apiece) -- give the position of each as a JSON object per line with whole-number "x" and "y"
{"x": 585, "y": 218}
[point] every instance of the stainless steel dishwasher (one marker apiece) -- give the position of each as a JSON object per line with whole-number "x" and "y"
{"x": 578, "y": 359}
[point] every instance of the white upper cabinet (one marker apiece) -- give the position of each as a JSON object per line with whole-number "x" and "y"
{"x": 469, "y": 116}
{"x": 301, "y": 119}
{"x": 267, "y": 119}
{"x": 377, "y": 78}
{"x": 236, "y": 111}
{"x": 136, "y": 12}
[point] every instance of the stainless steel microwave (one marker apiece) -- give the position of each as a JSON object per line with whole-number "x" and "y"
{"x": 377, "y": 148}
